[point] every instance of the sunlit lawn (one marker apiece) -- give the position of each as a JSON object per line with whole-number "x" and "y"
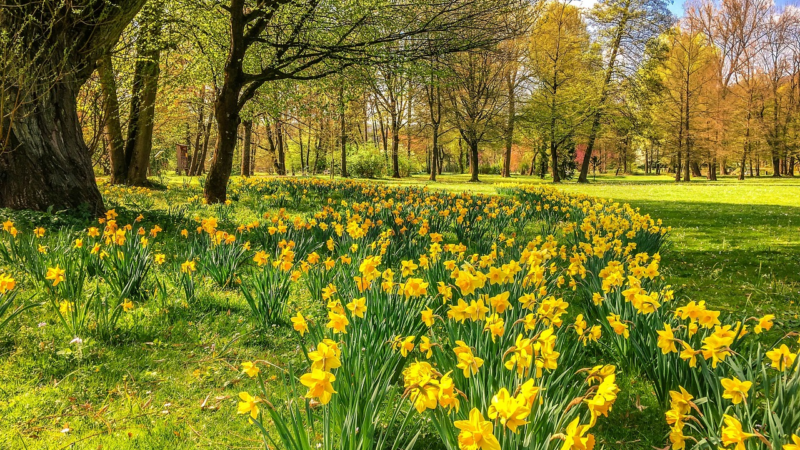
{"x": 172, "y": 383}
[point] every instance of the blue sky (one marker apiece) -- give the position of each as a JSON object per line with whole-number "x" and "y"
{"x": 677, "y": 8}
{"x": 677, "y": 5}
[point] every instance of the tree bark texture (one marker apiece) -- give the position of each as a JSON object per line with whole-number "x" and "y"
{"x": 46, "y": 162}
{"x": 248, "y": 134}
{"x": 113, "y": 129}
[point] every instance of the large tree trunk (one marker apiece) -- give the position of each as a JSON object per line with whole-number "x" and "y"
{"x": 248, "y": 134}
{"x": 776, "y": 164}
{"x": 45, "y": 162}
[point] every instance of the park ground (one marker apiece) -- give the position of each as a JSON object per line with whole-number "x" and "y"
{"x": 734, "y": 244}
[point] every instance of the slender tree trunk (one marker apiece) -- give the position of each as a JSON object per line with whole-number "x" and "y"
{"x": 618, "y": 35}
{"x": 248, "y": 134}
{"x": 201, "y": 108}
{"x": 227, "y": 127}
{"x": 543, "y": 159}
{"x": 746, "y": 149}
{"x": 308, "y": 150}
{"x": 143, "y": 142}
{"x": 228, "y": 105}
{"x": 383, "y": 134}
{"x": 408, "y": 131}
{"x": 201, "y": 163}
{"x": 320, "y": 143}
{"x": 113, "y": 129}
{"x": 687, "y": 165}
{"x": 147, "y": 68}
{"x": 300, "y": 142}
{"x": 434, "y": 97}
{"x": 775, "y": 140}
{"x": 712, "y": 170}
{"x": 511, "y": 82}
{"x": 678, "y": 167}
{"x": 343, "y": 133}
{"x": 280, "y": 147}
{"x": 473, "y": 162}
{"x": 554, "y": 157}
{"x": 395, "y": 129}
{"x": 434, "y": 156}
{"x": 460, "y": 157}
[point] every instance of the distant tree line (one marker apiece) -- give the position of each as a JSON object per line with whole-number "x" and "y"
{"x": 115, "y": 87}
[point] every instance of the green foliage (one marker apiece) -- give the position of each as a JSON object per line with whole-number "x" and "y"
{"x": 126, "y": 267}
{"x": 367, "y": 162}
{"x": 408, "y": 166}
{"x": 267, "y": 295}
{"x": 8, "y": 310}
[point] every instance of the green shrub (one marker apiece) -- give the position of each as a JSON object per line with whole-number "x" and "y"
{"x": 408, "y": 167}
{"x": 368, "y": 162}
{"x": 489, "y": 169}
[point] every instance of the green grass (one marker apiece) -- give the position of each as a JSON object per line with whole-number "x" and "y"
{"x": 173, "y": 383}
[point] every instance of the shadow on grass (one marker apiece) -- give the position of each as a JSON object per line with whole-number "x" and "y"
{"x": 712, "y": 216}
{"x": 740, "y": 258}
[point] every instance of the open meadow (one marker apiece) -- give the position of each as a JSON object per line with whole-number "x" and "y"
{"x": 309, "y": 313}
{"x": 400, "y": 225}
